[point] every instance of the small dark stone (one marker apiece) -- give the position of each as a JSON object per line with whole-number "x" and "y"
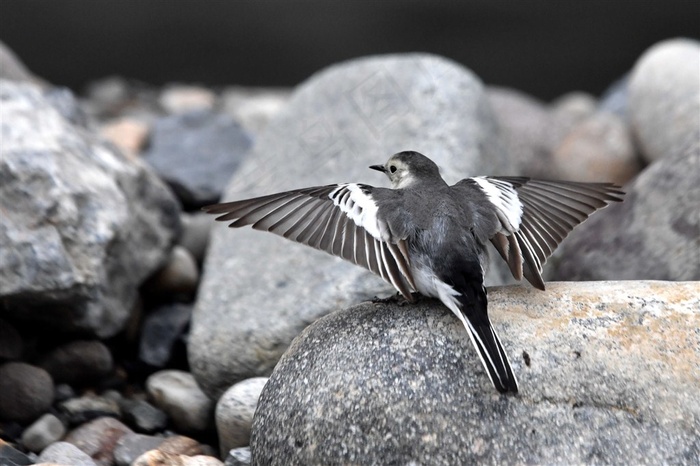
{"x": 161, "y": 329}
{"x": 87, "y": 408}
{"x": 131, "y": 446}
{"x": 143, "y": 417}
{"x": 79, "y": 362}
{"x": 26, "y": 392}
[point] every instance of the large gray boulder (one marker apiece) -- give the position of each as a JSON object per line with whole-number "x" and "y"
{"x": 259, "y": 291}
{"x": 653, "y": 235}
{"x": 664, "y": 98}
{"x": 607, "y": 376}
{"x": 82, "y": 225}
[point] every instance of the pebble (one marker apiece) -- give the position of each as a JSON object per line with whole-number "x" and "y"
{"x": 195, "y": 233}
{"x": 254, "y": 107}
{"x": 10, "y": 456}
{"x": 181, "y": 99}
{"x": 26, "y": 392}
{"x": 131, "y": 446}
{"x": 43, "y": 432}
{"x": 179, "y": 275}
{"x": 88, "y": 407}
{"x": 65, "y": 453}
{"x": 238, "y": 457}
{"x": 98, "y": 438}
{"x": 11, "y": 344}
{"x": 177, "y": 393}
{"x": 234, "y": 413}
{"x": 79, "y": 362}
{"x": 160, "y": 331}
{"x": 598, "y": 149}
{"x": 143, "y": 416}
{"x": 128, "y": 134}
{"x": 160, "y": 458}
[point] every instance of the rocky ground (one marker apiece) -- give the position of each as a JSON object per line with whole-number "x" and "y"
{"x": 127, "y": 337}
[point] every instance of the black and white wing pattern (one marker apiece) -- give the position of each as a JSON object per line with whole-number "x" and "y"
{"x": 339, "y": 219}
{"x": 536, "y": 216}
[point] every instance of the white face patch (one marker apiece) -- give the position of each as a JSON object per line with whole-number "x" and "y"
{"x": 502, "y": 195}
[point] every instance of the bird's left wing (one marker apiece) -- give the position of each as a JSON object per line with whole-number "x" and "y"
{"x": 535, "y": 216}
{"x": 338, "y": 219}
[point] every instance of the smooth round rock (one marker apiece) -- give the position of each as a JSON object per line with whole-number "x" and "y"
{"x": 604, "y": 369}
{"x": 26, "y": 391}
{"x": 65, "y": 453}
{"x": 177, "y": 393}
{"x": 195, "y": 234}
{"x": 79, "y": 362}
{"x": 234, "y": 413}
{"x": 179, "y": 275}
{"x": 664, "y": 98}
{"x": 43, "y": 432}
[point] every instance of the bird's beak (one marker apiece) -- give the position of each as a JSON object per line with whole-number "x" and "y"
{"x": 379, "y": 168}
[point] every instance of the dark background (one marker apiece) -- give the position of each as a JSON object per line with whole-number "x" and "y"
{"x": 542, "y": 47}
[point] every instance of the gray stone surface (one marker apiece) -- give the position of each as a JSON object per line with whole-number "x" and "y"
{"x": 160, "y": 331}
{"x": 597, "y": 149}
{"x": 65, "y": 453}
{"x": 43, "y": 432}
{"x": 26, "y": 392}
{"x": 196, "y": 153}
{"x": 664, "y": 98}
{"x": 195, "y": 234}
{"x": 179, "y": 275}
{"x": 238, "y": 457}
{"x": 177, "y": 394}
{"x": 88, "y": 407}
{"x": 607, "y": 376}
{"x": 142, "y": 416}
{"x": 79, "y": 362}
{"x": 131, "y": 446}
{"x": 99, "y": 438}
{"x": 100, "y": 224}
{"x": 259, "y": 291}
{"x": 653, "y": 235}
{"x": 234, "y": 413}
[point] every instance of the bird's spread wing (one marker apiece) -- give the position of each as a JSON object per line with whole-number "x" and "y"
{"x": 339, "y": 219}
{"x": 535, "y": 216}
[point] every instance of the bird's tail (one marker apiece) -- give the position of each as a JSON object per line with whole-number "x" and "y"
{"x": 488, "y": 345}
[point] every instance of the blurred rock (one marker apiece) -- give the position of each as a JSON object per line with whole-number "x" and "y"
{"x": 181, "y": 445}
{"x": 65, "y": 453}
{"x": 254, "y": 107}
{"x": 604, "y": 368}
{"x": 197, "y": 153}
{"x": 43, "y": 432}
{"x": 179, "y": 275}
{"x": 159, "y": 458}
{"x": 12, "y": 68}
{"x": 99, "y": 438}
{"x": 160, "y": 331}
{"x": 11, "y": 345}
{"x": 195, "y": 234}
{"x": 128, "y": 134}
{"x": 615, "y": 99}
{"x": 141, "y": 416}
{"x": 568, "y": 111}
{"x": 597, "y": 149}
{"x": 525, "y": 124}
{"x": 10, "y": 456}
{"x": 664, "y": 98}
{"x": 177, "y": 393}
{"x": 131, "y": 446}
{"x": 182, "y": 99}
{"x": 653, "y": 235}
{"x": 26, "y": 392}
{"x": 100, "y": 225}
{"x": 88, "y": 407}
{"x": 79, "y": 362}
{"x": 238, "y": 457}
{"x": 258, "y": 290}
{"x": 234, "y": 413}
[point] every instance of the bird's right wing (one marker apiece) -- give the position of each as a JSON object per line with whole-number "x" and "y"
{"x": 535, "y": 216}
{"x": 338, "y": 219}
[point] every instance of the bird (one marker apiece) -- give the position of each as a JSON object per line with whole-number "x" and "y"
{"x": 426, "y": 237}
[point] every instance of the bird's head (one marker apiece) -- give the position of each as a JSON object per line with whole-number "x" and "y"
{"x": 407, "y": 168}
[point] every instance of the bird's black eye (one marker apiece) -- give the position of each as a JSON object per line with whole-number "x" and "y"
{"x": 392, "y": 168}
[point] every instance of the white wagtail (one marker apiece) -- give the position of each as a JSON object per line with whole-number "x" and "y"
{"x": 424, "y": 235}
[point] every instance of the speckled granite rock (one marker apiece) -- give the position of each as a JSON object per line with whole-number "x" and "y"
{"x": 259, "y": 291}
{"x": 608, "y": 374}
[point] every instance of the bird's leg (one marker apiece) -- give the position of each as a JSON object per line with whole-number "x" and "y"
{"x": 399, "y": 299}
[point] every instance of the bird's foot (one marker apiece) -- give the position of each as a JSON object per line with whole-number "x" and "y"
{"x": 398, "y": 299}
